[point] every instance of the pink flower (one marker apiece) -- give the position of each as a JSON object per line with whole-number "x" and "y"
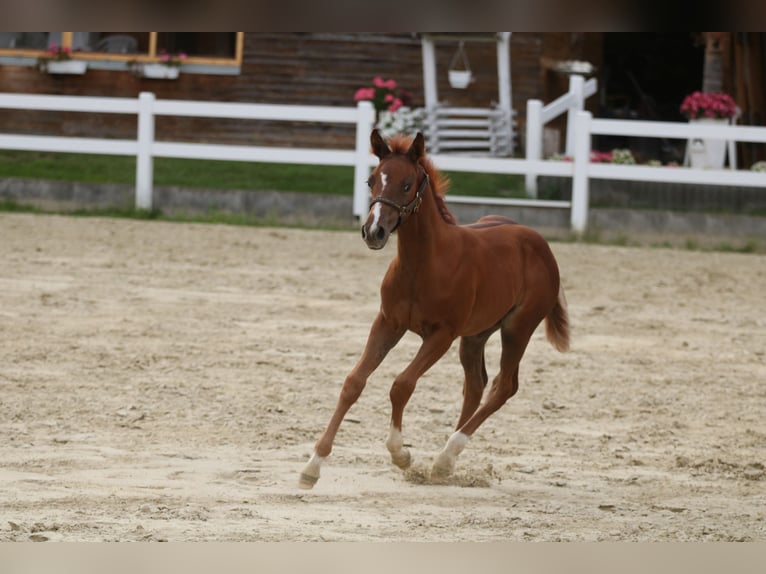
{"x": 397, "y": 103}
{"x": 165, "y": 57}
{"x": 378, "y": 82}
{"x": 364, "y": 94}
{"x": 389, "y": 98}
{"x": 390, "y": 84}
{"x": 709, "y": 105}
{"x": 181, "y": 56}
{"x": 601, "y": 156}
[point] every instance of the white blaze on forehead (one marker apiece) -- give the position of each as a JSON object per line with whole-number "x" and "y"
{"x": 375, "y": 218}
{"x": 383, "y": 181}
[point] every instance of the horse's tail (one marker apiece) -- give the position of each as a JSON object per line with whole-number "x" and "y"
{"x": 557, "y": 324}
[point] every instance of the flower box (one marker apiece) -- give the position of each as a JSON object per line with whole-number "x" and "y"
{"x": 66, "y": 67}
{"x": 160, "y": 71}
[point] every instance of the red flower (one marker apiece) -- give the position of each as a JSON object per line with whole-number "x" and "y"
{"x": 708, "y": 105}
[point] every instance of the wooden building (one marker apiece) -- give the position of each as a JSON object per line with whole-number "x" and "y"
{"x": 641, "y": 75}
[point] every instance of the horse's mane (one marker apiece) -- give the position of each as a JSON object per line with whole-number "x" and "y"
{"x": 439, "y": 182}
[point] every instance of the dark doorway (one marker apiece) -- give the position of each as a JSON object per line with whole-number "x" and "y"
{"x": 646, "y": 77}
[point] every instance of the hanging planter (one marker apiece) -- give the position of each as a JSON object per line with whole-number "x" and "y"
{"x": 460, "y": 77}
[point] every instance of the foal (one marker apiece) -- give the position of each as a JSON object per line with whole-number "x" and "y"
{"x": 446, "y": 281}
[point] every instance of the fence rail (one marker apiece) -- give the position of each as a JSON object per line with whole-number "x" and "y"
{"x": 145, "y": 148}
{"x": 581, "y": 170}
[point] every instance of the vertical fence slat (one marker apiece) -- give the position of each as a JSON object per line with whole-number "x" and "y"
{"x": 364, "y": 123}
{"x": 534, "y": 142}
{"x": 144, "y": 160}
{"x": 580, "y": 177}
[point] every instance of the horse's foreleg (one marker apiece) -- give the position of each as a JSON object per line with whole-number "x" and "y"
{"x": 381, "y": 340}
{"x": 433, "y": 348}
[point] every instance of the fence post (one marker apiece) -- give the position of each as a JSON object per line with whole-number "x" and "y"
{"x": 144, "y": 160}
{"x": 580, "y": 180}
{"x": 577, "y": 89}
{"x": 534, "y": 142}
{"x": 364, "y": 123}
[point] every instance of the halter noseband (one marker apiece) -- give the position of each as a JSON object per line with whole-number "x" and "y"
{"x": 407, "y": 209}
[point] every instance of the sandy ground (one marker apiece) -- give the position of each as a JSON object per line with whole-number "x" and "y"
{"x": 164, "y": 381}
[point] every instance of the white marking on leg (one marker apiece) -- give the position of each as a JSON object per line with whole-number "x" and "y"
{"x": 395, "y": 445}
{"x": 395, "y": 441}
{"x": 310, "y": 473}
{"x": 445, "y": 460}
{"x": 456, "y": 443}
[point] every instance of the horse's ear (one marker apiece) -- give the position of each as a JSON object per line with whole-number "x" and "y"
{"x": 379, "y": 146}
{"x": 417, "y": 149}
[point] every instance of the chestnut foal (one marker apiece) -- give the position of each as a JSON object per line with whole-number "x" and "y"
{"x": 446, "y": 281}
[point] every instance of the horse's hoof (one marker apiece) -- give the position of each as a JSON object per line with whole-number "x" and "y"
{"x": 307, "y": 481}
{"x": 402, "y": 459}
{"x": 442, "y": 469}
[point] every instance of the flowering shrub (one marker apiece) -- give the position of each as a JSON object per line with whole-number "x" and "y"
{"x": 708, "y": 105}
{"x": 384, "y": 95}
{"x": 600, "y": 156}
{"x": 404, "y": 120}
{"x": 171, "y": 60}
{"x": 622, "y": 156}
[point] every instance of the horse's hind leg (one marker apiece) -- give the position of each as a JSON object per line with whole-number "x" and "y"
{"x": 472, "y": 359}
{"x": 504, "y": 386}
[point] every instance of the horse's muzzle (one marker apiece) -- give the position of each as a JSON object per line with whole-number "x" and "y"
{"x": 374, "y": 238}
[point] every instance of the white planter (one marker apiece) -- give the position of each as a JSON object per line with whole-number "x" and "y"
{"x": 66, "y": 67}
{"x": 460, "y": 78}
{"x": 160, "y": 71}
{"x": 707, "y": 153}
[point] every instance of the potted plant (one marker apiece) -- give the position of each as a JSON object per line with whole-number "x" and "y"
{"x": 708, "y": 107}
{"x": 168, "y": 67}
{"x": 392, "y": 107}
{"x": 58, "y": 60}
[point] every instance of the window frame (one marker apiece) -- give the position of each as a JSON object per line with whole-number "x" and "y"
{"x": 151, "y": 56}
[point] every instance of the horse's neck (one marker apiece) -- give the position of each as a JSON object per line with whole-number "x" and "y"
{"x": 424, "y": 234}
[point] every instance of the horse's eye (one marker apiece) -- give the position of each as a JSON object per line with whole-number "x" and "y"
{"x": 371, "y": 181}
{"x": 407, "y": 187}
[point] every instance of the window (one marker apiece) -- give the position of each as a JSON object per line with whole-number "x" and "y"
{"x": 201, "y": 48}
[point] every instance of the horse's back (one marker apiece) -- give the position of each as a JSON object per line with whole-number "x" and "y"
{"x": 491, "y": 221}
{"x": 520, "y": 248}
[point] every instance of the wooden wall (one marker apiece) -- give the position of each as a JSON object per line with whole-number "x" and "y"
{"x": 293, "y": 68}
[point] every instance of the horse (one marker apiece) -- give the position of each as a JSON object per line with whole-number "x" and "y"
{"x": 446, "y": 281}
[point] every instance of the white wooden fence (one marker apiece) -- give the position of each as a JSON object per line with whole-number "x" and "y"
{"x": 583, "y": 170}
{"x": 145, "y": 148}
{"x": 538, "y": 115}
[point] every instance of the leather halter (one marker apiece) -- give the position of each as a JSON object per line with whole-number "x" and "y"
{"x": 408, "y": 208}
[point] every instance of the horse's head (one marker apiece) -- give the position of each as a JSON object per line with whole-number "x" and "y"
{"x": 396, "y": 188}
